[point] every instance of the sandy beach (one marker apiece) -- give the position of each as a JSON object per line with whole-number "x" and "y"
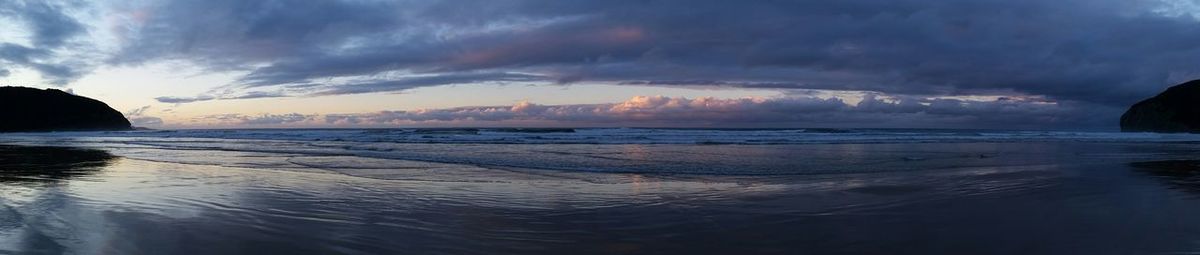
{"x": 105, "y": 196}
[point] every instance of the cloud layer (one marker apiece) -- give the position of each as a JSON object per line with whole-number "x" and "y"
{"x": 1098, "y": 51}
{"x": 1101, "y": 53}
{"x": 51, "y": 31}
{"x": 655, "y": 111}
{"x": 255, "y": 120}
{"x": 139, "y": 118}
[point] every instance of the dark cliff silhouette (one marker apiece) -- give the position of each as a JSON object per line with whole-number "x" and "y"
{"x": 36, "y": 110}
{"x": 1176, "y": 110}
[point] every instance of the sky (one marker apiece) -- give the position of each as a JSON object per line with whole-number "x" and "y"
{"x": 995, "y": 64}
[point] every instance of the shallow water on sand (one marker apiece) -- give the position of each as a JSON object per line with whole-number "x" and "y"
{"x": 960, "y": 198}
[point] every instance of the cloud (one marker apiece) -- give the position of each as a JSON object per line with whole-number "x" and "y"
{"x": 146, "y": 121}
{"x": 51, "y": 30}
{"x": 262, "y": 119}
{"x": 364, "y": 86}
{"x": 202, "y": 98}
{"x": 1097, "y": 53}
{"x": 50, "y": 25}
{"x": 871, "y": 111}
{"x": 183, "y": 100}
{"x": 257, "y": 94}
{"x": 1109, "y": 52}
{"x": 425, "y": 81}
{"x": 138, "y": 117}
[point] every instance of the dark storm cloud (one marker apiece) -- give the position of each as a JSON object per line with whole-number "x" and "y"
{"x": 1100, "y": 51}
{"x": 51, "y": 31}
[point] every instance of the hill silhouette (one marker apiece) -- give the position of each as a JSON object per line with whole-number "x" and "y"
{"x": 39, "y": 110}
{"x": 1175, "y": 110}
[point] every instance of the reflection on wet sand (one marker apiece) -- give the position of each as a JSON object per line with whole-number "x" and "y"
{"x": 49, "y": 164}
{"x": 99, "y": 205}
{"x": 28, "y": 178}
{"x": 1183, "y": 174}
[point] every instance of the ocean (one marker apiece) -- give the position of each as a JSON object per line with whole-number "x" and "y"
{"x": 599, "y": 191}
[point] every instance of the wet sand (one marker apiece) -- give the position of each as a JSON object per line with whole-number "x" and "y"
{"x": 89, "y": 201}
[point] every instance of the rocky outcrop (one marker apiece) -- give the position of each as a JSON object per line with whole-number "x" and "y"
{"x": 1176, "y": 110}
{"x": 37, "y": 110}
